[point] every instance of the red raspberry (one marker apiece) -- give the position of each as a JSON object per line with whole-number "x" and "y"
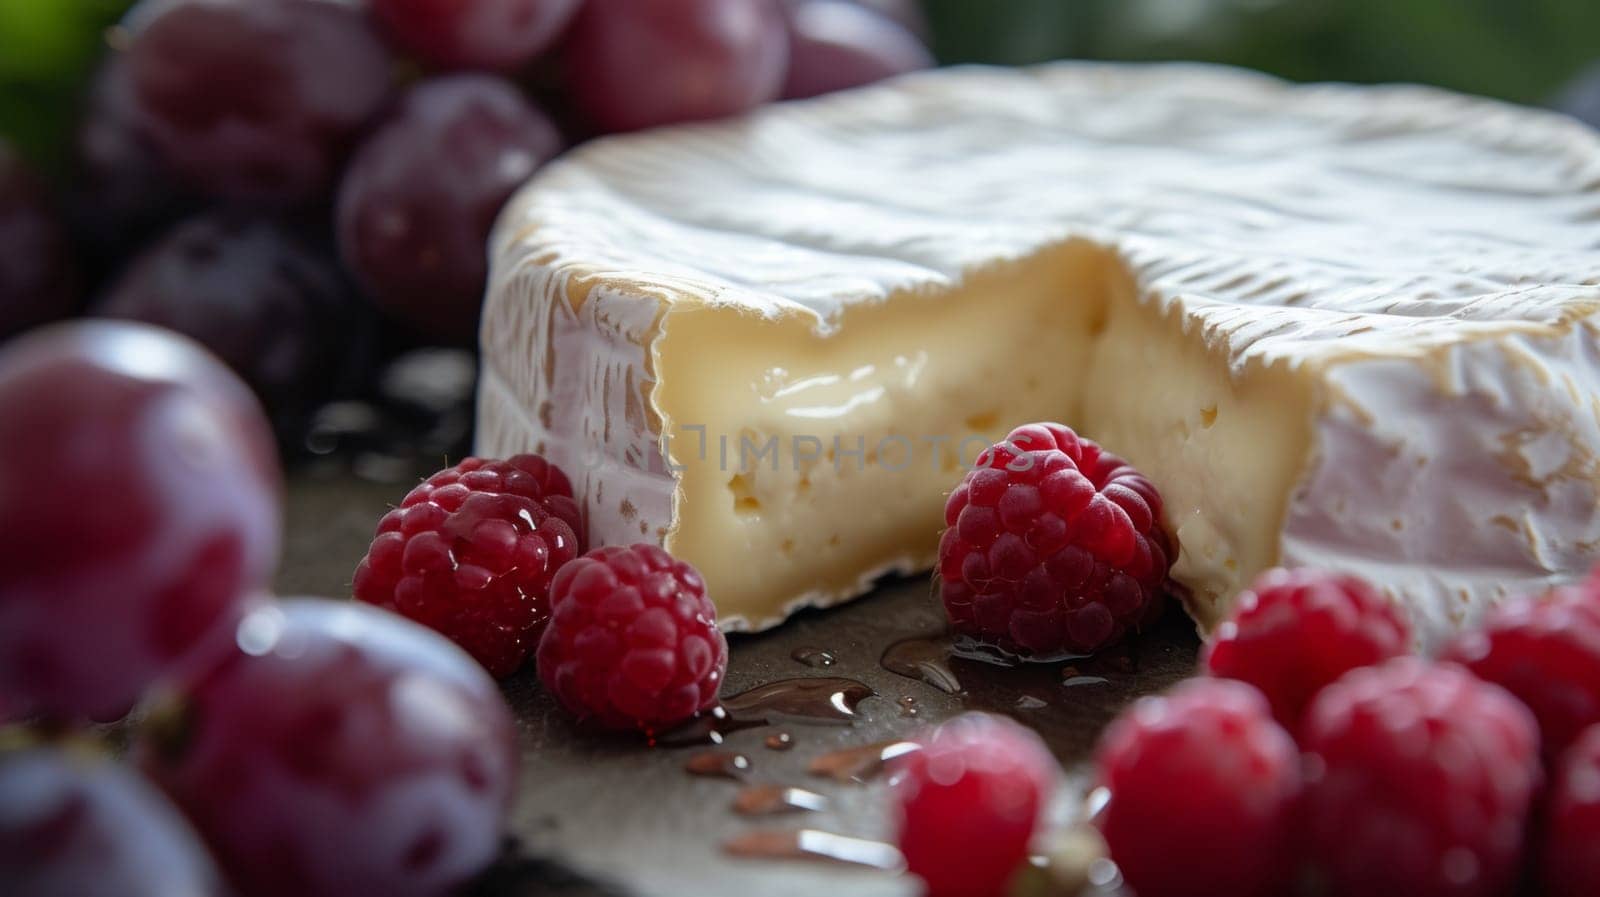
{"x": 1546, "y": 651}
{"x": 1419, "y": 782}
{"x": 969, "y": 802}
{"x": 634, "y": 642}
{"x": 1572, "y": 845}
{"x": 1053, "y": 547}
{"x": 1296, "y": 631}
{"x": 1206, "y": 757}
{"x": 471, "y": 553}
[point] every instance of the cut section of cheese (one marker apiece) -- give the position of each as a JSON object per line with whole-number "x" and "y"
{"x": 1346, "y": 327}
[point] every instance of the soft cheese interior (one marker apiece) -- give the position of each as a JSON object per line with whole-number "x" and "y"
{"x": 810, "y": 464}
{"x": 1226, "y": 447}
{"x": 825, "y": 459}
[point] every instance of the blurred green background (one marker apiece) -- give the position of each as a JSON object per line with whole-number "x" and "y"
{"x": 1521, "y": 50}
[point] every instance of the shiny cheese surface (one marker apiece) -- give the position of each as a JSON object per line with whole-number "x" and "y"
{"x": 1340, "y": 326}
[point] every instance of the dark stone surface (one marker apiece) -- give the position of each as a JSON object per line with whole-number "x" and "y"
{"x": 601, "y": 815}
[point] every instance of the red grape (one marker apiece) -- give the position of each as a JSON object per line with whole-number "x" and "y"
{"x": 255, "y": 100}
{"x": 139, "y": 504}
{"x": 278, "y": 312}
{"x": 421, "y": 196}
{"x": 498, "y": 35}
{"x": 340, "y": 750}
{"x": 835, "y": 44}
{"x": 36, "y": 281}
{"x": 82, "y": 826}
{"x": 635, "y": 65}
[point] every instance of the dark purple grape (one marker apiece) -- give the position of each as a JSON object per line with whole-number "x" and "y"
{"x": 1580, "y": 98}
{"x": 341, "y": 750}
{"x": 139, "y": 498}
{"x": 77, "y": 825}
{"x": 36, "y": 279}
{"x": 123, "y": 194}
{"x": 255, "y": 100}
{"x": 836, "y": 44}
{"x": 421, "y": 196}
{"x": 496, "y": 35}
{"x": 277, "y": 311}
{"x": 635, "y": 65}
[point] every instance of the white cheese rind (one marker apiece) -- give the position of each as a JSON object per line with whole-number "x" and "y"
{"x": 572, "y": 384}
{"x": 1428, "y": 262}
{"x": 1461, "y": 477}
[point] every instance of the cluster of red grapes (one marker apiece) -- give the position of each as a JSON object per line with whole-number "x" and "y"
{"x": 295, "y": 159}
{"x": 310, "y": 747}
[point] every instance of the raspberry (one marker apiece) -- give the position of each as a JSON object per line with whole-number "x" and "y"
{"x": 1296, "y": 631}
{"x": 634, "y": 642}
{"x": 1571, "y": 857}
{"x": 969, "y": 802}
{"x": 1206, "y": 757}
{"x": 1419, "y": 782}
{"x": 1054, "y": 547}
{"x": 1546, "y": 651}
{"x": 471, "y": 553}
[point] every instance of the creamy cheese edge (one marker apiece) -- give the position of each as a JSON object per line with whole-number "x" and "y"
{"x": 1445, "y": 453}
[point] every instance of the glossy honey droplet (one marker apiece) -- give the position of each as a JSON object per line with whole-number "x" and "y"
{"x": 708, "y": 728}
{"x": 718, "y": 764}
{"x": 811, "y": 844}
{"x": 860, "y": 764}
{"x": 813, "y": 657}
{"x": 925, "y": 659}
{"x": 779, "y": 741}
{"x": 1072, "y": 677}
{"x": 772, "y": 800}
{"x": 813, "y": 700}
